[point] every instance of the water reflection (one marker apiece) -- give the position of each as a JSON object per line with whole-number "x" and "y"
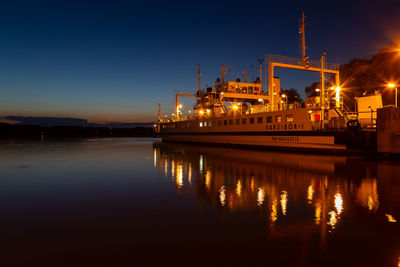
{"x": 253, "y": 178}
{"x": 293, "y": 194}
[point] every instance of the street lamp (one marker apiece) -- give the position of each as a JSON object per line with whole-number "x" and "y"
{"x": 392, "y": 85}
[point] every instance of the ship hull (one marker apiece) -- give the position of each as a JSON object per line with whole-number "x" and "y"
{"x": 315, "y": 140}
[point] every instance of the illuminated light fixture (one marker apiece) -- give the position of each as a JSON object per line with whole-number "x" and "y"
{"x": 260, "y": 100}
{"x": 283, "y": 95}
{"x": 317, "y": 90}
{"x": 201, "y": 111}
{"x": 338, "y": 88}
{"x": 235, "y": 107}
{"x": 274, "y": 93}
{"x": 310, "y": 111}
{"x": 333, "y": 87}
{"x": 208, "y": 111}
{"x": 391, "y": 85}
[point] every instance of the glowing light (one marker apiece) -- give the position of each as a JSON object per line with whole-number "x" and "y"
{"x": 390, "y": 218}
{"x": 310, "y": 193}
{"x": 317, "y": 90}
{"x": 332, "y": 219}
{"x": 172, "y": 168}
{"x": 208, "y": 111}
{"x": 238, "y": 188}
{"x": 208, "y": 179}
{"x": 333, "y": 87}
{"x": 337, "y": 96}
{"x": 310, "y": 111}
{"x": 165, "y": 167}
{"x": 201, "y": 112}
{"x": 179, "y": 175}
{"x": 338, "y": 203}
{"x": 391, "y": 85}
{"x": 274, "y": 211}
{"x": 260, "y": 196}
{"x": 235, "y": 107}
{"x": 155, "y": 157}
{"x": 190, "y": 173}
{"x": 201, "y": 164}
{"x": 371, "y": 203}
{"x": 283, "y": 95}
{"x": 317, "y": 213}
{"x": 260, "y": 100}
{"x": 284, "y": 202}
{"x": 222, "y": 195}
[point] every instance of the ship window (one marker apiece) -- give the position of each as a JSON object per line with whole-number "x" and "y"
{"x": 209, "y": 124}
{"x": 219, "y": 123}
{"x": 201, "y": 124}
{"x": 269, "y": 119}
{"x": 289, "y": 118}
{"x": 224, "y": 122}
{"x": 255, "y": 89}
{"x": 244, "y": 90}
{"x": 238, "y": 90}
{"x": 251, "y": 120}
{"x": 237, "y": 121}
{"x": 244, "y": 121}
{"x": 214, "y": 123}
{"x": 230, "y": 122}
{"x": 278, "y": 118}
{"x": 259, "y": 120}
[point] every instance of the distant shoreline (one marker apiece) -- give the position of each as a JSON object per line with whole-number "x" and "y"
{"x": 20, "y": 131}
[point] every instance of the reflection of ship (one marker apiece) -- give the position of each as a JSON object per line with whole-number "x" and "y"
{"x": 241, "y": 113}
{"x": 277, "y": 184}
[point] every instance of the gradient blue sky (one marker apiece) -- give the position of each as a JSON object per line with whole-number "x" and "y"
{"x": 115, "y": 60}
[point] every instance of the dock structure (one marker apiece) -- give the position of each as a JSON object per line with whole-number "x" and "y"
{"x": 388, "y": 131}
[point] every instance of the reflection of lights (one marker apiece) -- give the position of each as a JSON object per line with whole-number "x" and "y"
{"x": 165, "y": 168}
{"x": 310, "y": 193}
{"x": 238, "y": 188}
{"x": 201, "y": 163}
{"x": 179, "y": 175}
{"x": 190, "y": 173}
{"x": 398, "y": 264}
{"x": 260, "y": 196}
{"x": 338, "y": 203}
{"x": 333, "y": 219}
{"x": 274, "y": 211}
{"x": 208, "y": 179}
{"x": 390, "y": 218}
{"x": 371, "y": 203}
{"x": 172, "y": 168}
{"x": 252, "y": 184}
{"x": 222, "y": 195}
{"x": 317, "y": 213}
{"x": 284, "y": 202}
{"x": 155, "y": 157}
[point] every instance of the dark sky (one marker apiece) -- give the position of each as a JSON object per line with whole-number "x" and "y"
{"x": 115, "y": 60}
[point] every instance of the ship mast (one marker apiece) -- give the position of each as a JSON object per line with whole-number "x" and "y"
{"x": 198, "y": 80}
{"x": 302, "y": 32}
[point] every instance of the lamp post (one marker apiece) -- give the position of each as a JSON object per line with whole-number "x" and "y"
{"x": 392, "y": 85}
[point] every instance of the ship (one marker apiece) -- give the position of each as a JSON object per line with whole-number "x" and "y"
{"x": 244, "y": 113}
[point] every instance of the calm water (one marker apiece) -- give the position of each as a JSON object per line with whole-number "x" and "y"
{"x": 127, "y": 202}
